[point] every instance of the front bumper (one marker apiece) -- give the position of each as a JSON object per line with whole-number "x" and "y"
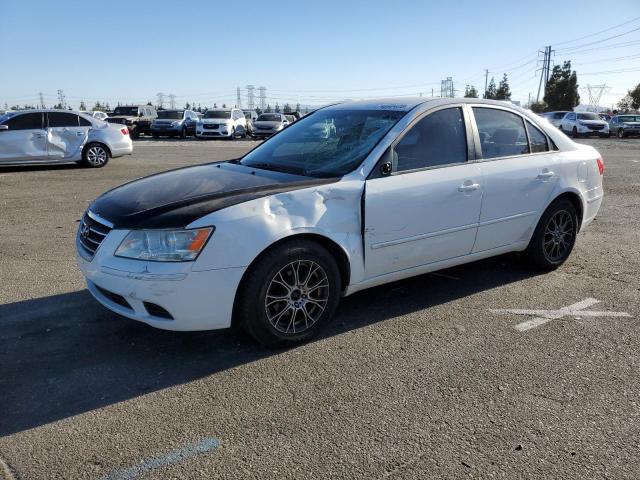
{"x": 583, "y": 130}
{"x": 263, "y": 133}
{"x": 187, "y": 299}
{"x": 166, "y": 130}
{"x": 212, "y": 133}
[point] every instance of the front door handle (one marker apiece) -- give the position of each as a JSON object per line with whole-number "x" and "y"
{"x": 468, "y": 187}
{"x": 545, "y": 174}
{"x": 38, "y": 135}
{"x": 79, "y": 134}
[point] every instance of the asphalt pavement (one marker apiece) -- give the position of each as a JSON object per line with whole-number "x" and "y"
{"x": 431, "y": 377}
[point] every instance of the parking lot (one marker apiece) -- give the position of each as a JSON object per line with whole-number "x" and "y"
{"x": 488, "y": 370}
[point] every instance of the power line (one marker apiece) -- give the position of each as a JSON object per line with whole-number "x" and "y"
{"x": 598, "y": 33}
{"x": 564, "y": 50}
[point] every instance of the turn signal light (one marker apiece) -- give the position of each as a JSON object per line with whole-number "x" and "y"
{"x": 600, "y": 166}
{"x": 125, "y": 131}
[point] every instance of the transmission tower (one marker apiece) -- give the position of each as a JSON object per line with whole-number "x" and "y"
{"x": 61, "y": 99}
{"x": 546, "y": 70}
{"x": 263, "y": 98}
{"x": 160, "y": 97}
{"x": 595, "y": 94}
{"x": 172, "y": 101}
{"x": 238, "y": 99}
{"x": 42, "y": 105}
{"x": 251, "y": 99}
{"x": 446, "y": 88}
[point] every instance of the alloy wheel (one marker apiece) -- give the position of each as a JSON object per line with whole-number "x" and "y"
{"x": 96, "y": 156}
{"x": 297, "y": 296}
{"x": 558, "y": 235}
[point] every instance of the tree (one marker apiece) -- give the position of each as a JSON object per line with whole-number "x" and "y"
{"x": 635, "y": 97}
{"x": 187, "y": 106}
{"x": 215, "y": 105}
{"x": 503, "y": 92}
{"x": 491, "y": 92}
{"x": 268, "y": 109}
{"x": 297, "y": 107}
{"x": 561, "y": 92}
{"x": 470, "y": 92}
{"x": 286, "y": 108}
{"x": 224, "y": 105}
{"x": 277, "y": 108}
{"x": 538, "y": 107}
{"x": 624, "y": 105}
{"x": 82, "y": 107}
{"x": 258, "y": 111}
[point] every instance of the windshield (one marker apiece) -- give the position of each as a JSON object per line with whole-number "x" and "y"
{"x": 125, "y": 111}
{"x": 270, "y": 117}
{"x": 588, "y": 116}
{"x": 329, "y": 143}
{"x": 629, "y": 118}
{"x": 218, "y": 114}
{"x": 171, "y": 114}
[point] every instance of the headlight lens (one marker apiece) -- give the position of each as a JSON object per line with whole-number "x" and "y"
{"x": 280, "y": 127}
{"x": 164, "y": 245}
{"x": 175, "y": 124}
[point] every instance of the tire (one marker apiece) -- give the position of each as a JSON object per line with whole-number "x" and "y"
{"x": 155, "y": 135}
{"x": 134, "y": 133}
{"x": 183, "y": 133}
{"x": 574, "y": 132}
{"x": 233, "y": 134}
{"x": 306, "y": 305}
{"x": 95, "y": 155}
{"x": 554, "y": 236}
{"x": 621, "y": 133}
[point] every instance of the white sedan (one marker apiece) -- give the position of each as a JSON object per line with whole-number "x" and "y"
{"x": 398, "y": 188}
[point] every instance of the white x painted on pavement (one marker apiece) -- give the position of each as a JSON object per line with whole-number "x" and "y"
{"x": 544, "y": 316}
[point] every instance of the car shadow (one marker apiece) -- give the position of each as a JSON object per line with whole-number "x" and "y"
{"x": 64, "y": 355}
{"x": 39, "y": 167}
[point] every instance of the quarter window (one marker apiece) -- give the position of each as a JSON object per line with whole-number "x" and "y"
{"x": 84, "y": 122}
{"x": 537, "y": 139}
{"x": 438, "y": 139}
{"x": 502, "y": 133}
{"x": 26, "y": 121}
{"x": 60, "y": 119}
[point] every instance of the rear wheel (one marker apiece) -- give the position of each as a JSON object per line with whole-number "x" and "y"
{"x": 621, "y": 133}
{"x": 134, "y": 133}
{"x": 183, "y": 133}
{"x": 233, "y": 134}
{"x": 95, "y": 155}
{"x": 554, "y": 236}
{"x": 289, "y": 294}
{"x": 574, "y": 132}
{"x": 155, "y": 135}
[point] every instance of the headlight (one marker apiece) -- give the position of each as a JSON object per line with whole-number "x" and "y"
{"x": 164, "y": 245}
{"x": 279, "y": 127}
{"x": 175, "y": 124}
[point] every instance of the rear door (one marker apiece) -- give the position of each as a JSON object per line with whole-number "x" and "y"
{"x": 24, "y": 140}
{"x": 427, "y": 209}
{"x": 519, "y": 171}
{"x": 66, "y": 135}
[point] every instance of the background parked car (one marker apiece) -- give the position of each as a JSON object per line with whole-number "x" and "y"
{"x": 43, "y": 136}
{"x": 290, "y": 118}
{"x": 97, "y": 114}
{"x": 137, "y": 118}
{"x": 268, "y": 123}
{"x": 174, "y": 123}
{"x": 250, "y": 116}
{"x": 605, "y": 116}
{"x": 222, "y": 123}
{"x": 625, "y": 125}
{"x": 584, "y": 124}
{"x": 555, "y": 117}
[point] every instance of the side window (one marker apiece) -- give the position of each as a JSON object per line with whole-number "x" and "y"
{"x": 84, "y": 122}
{"x": 538, "y": 139}
{"x": 502, "y": 133}
{"x": 615, "y": 120}
{"x": 27, "y": 121}
{"x": 572, "y": 116}
{"x": 60, "y": 119}
{"x": 438, "y": 139}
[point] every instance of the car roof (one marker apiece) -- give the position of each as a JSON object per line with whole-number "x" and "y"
{"x": 404, "y": 104}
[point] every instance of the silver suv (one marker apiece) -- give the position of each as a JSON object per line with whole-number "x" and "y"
{"x": 174, "y": 123}
{"x": 44, "y": 136}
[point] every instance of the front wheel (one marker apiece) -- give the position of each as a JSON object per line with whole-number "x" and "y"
{"x": 95, "y": 155}
{"x": 289, "y": 294}
{"x": 621, "y": 133}
{"x": 554, "y": 236}
{"x": 574, "y": 132}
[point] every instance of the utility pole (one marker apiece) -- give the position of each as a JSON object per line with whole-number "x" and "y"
{"x": 41, "y": 100}
{"x": 61, "y": 99}
{"x": 160, "y": 100}
{"x": 546, "y": 70}
{"x": 263, "y": 98}
{"x": 238, "y": 99}
{"x": 251, "y": 102}
{"x": 486, "y": 79}
{"x": 172, "y": 101}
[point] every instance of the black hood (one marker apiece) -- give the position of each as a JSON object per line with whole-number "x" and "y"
{"x": 176, "y": 198}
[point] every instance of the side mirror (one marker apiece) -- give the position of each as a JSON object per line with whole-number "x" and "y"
{"x": 4, "y": 127}
{"x": 140, "y": 114}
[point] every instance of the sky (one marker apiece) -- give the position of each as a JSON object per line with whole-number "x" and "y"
{"x": 308, "y": 52}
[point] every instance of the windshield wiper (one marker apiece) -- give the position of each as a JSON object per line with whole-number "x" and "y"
{"x": 278, "y": 168}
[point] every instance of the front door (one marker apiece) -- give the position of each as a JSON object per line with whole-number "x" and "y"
{"x": 65, "y": 135}
{"x": 427, "y": 209}
{"x": 24, "y": 139}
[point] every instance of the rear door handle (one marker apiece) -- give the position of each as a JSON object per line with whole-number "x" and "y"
{"x": 80, "y": 134}
{"x": 468, "y": 187}
{"x": 546, "y": 174}
{"x": 38, "y": 135}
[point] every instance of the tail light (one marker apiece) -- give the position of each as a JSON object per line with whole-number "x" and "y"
{"x": 124, "y": 131}
{"x": 600, "y": 165}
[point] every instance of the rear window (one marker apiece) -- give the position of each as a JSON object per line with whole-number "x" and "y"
{"x": 269, "y": 117}
{"x": 129, "y": 111}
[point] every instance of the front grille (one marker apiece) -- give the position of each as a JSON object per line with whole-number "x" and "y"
{"x": 114, "y": 297}
{"x": 596, "y": 127}
{"x": 91, "y": 233}
{"x": 209, "y": 126}
{"x": 259, "y": 127}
